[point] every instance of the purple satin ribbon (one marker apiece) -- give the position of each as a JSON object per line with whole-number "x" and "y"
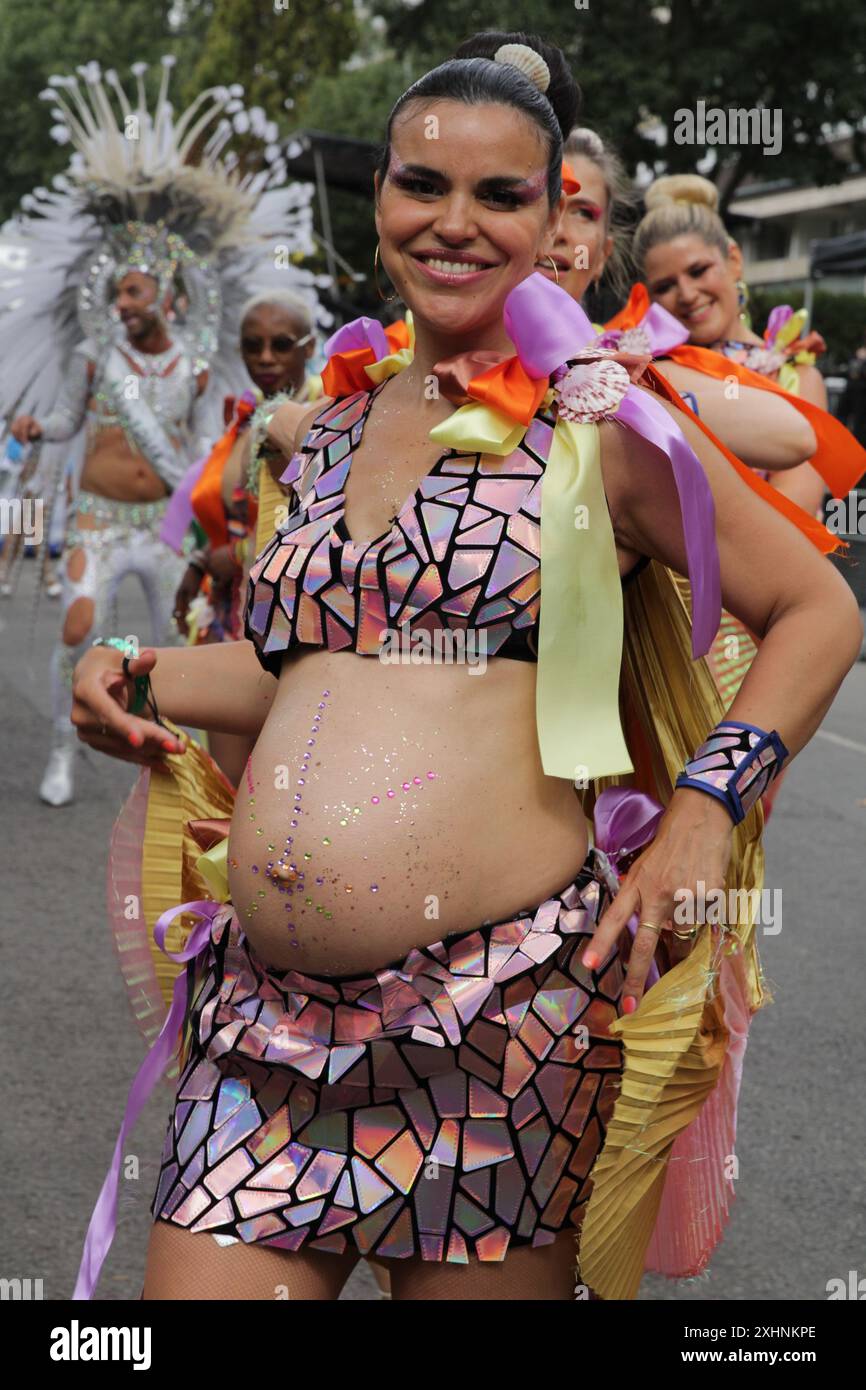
{"x": 625, "y": 820}
{"x": 179, "y": 513}
{"x": 776, "y": 322}
{"x": 360, "y": 333}
{"x": 103, "y": 1222}
{"x": 547, "y": 328}
{"x": 663, "y": 332}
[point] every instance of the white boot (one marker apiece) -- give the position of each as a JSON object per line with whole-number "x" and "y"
{"x": 58, "y": 783}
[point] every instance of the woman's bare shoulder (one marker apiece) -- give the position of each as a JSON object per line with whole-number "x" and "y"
{"x": 290, "y": 423}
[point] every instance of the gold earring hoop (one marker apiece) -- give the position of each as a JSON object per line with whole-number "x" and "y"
{"x": 553, "y": 267}
{"x": 386, "y": 298}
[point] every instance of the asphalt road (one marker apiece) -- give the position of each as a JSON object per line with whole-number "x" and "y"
{"x": 70, "y": 1047}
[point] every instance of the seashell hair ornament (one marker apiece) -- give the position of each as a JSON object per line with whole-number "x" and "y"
{"x": 527, "y": 61}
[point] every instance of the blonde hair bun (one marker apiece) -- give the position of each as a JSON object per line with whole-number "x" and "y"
{"x": 681, "y": 189}
{"x": 586, "y": 141}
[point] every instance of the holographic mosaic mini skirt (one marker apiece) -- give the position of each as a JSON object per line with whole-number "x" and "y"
{"x": 449, "y": 1106}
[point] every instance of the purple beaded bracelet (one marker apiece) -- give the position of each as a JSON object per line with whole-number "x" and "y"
{"x": 735, "y": 764}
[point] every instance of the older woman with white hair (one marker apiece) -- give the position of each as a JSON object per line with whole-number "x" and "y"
{"x": 276, "y": 343}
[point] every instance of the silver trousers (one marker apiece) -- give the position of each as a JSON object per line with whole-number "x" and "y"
{"x": 121, "y": 539}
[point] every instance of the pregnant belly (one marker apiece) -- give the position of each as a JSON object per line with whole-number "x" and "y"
{"x": 387, "y": 807}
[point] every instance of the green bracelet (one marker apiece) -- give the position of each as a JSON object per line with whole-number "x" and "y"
{"x": 129, "y": 647}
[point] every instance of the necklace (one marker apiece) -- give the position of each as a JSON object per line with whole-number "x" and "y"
{"x": 150, "y": 363}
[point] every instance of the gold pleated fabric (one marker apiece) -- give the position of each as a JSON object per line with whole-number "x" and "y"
{"x": 272, "y": 505}
{"x": 676, "y": 1041}
{"x": 191, "y": 789}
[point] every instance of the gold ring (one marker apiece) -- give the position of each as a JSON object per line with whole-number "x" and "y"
{"x": 686, "y": 935}
{"x": 652, "y": 927}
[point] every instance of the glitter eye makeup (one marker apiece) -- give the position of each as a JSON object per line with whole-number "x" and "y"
{"x": 508, "y": 192}
{"x": 582, "y": 207}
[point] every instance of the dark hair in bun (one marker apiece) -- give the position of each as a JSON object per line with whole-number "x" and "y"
{"x": 563, "y": 93}
{"x": 473, "y": 77}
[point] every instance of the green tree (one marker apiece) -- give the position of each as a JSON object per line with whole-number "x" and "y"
{"x": 34, "y": 43}
{"x": 274, "y": 48}
{"x": 638, "y": 64}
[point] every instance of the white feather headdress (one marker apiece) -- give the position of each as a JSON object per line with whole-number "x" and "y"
{"x": 143, "y": 183}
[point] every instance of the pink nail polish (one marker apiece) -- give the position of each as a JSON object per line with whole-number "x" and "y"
{"x": 590, "y": 959}
{"x": 629, "y": 1004}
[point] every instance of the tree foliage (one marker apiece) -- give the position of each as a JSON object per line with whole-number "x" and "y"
{"x": 275, "y": 48}
{"x": 274, "y": 53}
{"x": 638, "y": 63}
{"x": 38, "y": 41}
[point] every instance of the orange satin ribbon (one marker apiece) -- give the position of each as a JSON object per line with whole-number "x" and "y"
{"x": 839, "y": 459}
{"x": 344, "y": 374}
{"x": 504, "y": 386}
{"x": 632, "y": 312}
{"x": 570, "y": 183}
{"x": 206, "y": 496}
{"x": 811, "y": 528}
{"x": 208, "y": 833}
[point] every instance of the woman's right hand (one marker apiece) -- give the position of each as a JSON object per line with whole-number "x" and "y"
{"x": 101, "y": 695}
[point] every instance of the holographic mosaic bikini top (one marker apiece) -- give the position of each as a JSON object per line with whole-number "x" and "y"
{"x": 463, "y": 553}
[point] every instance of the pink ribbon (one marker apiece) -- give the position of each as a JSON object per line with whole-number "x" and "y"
{"x": 547, "y": 328}
{"x": 103, "y": 1222}
{"x": 625, "y": 820}
{"x": 776, "y": 321}
{"x": 360, "y": 333}
{"x": 661, "y": 330}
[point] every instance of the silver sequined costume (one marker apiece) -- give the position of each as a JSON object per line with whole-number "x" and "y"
{"x": 153, "y": 398}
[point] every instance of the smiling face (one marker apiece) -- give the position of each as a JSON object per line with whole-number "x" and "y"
{"x": 462, "y": 218}
{"x": 582, "y": 244}
{"x": 272, "y": 348}
{"x": 696, "y": 283}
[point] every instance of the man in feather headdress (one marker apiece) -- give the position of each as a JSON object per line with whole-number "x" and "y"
{"x": 138, "y": 399}
{"x": 149, "y": 244}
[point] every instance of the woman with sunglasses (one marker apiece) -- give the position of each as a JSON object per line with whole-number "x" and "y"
{"x": 277, "y": 341}
{"x": 405, "y": 1037}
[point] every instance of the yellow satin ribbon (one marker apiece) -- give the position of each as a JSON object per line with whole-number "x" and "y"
{"x": 213, "y": 868}
{"x": 395, "y": 361}
{"x": 477, "y": 428}
{"x": 581, "y": 629}
{"x": 789, "y": 377}
{"x": 580, "y": 637}
{"x": 792, "y": 330}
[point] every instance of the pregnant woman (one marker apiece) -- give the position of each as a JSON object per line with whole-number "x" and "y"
{"x": 402, "y": 1037}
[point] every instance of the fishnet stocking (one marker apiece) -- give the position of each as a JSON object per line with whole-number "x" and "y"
{"x": 182, "y": 1266}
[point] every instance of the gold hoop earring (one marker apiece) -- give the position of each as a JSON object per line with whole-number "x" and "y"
{"x": 386, "y": 298}
{"x": 553, "y": 267}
